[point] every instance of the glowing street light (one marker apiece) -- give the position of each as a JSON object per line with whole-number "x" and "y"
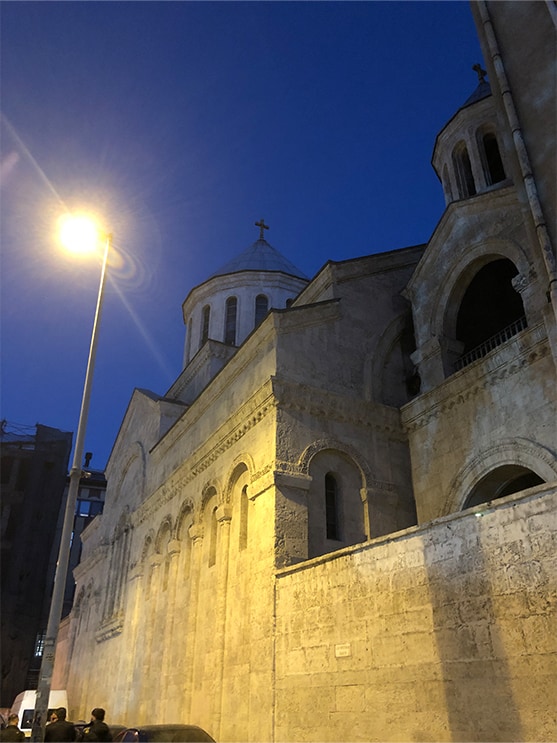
{"x": 77, "y": 233}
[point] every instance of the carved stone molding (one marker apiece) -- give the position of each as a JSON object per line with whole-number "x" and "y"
{"x": 110, "y": 628}
{"x": 380, "y": 485}
{"x": 224, "y": 513}
{"x": 481, "y": 378}
{"x": 339, "y": 446}
{"x": 327, "y": 405}
{"x": 249, "y": 415}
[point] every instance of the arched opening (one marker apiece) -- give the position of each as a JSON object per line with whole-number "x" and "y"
{"x": 399, "y": 379}
{"x": 502, "y": 481}
{"x": 244, "y": 514}
{"x": 230, "y": 321}
{"x": 335, "y": 509}
{"x": 213, "y": 537}
{"x": 490, "y": 313}
{"x": 185, "y": 521}
{"x": 463, "y": 171}
{"x": 446, "y": 181}
{"x": 261, "y": 308}
{"x": 495, "y": 172}
{"x": 205, "y": 316}
{"x": 331, "y": 507}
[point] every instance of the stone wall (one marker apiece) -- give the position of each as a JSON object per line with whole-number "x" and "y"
{"x": 497, "y": 411}
{"x": 443, "y": 632}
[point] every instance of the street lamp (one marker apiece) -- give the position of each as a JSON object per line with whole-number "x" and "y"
{"x": 80, "y": 234}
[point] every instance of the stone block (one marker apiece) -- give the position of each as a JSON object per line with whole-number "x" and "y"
{"x": 349, "y": 698}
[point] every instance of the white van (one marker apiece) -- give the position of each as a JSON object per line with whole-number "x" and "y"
{"x": 24, "y": 707}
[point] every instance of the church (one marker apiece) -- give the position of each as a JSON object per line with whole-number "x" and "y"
{"x": 339, "y": 523}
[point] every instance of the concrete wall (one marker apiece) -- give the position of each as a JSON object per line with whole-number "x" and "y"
{"x": 445, "y": 632}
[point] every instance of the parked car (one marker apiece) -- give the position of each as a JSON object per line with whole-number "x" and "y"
{"x": 164, "y": 734}
{"x": 80, "y": 726}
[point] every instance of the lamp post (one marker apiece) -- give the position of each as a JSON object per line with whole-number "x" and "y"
{"x": 56, "y": 604}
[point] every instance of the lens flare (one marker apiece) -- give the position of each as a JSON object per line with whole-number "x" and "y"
{"x": 78, "y": 233}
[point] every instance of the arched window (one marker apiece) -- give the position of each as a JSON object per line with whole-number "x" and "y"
{"x": 289, "y": 301}
{"x": 230, "y": 321}
{"x": 463, "y": 171}
{"x": 502, "y": 481}
{"x": 336, "y": 513}
{"x": 493, "y": 163}
{"x": 206, "y": 314}
{"x": 447, "y": 185}
{"x": 331, "y": 507}
{"x": 261, "y": 308}
{"x": 213, "y": 538}
{"x": 491, "y": 311}
{"x": 244, "y": 503}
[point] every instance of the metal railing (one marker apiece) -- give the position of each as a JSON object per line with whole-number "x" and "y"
{"x": 496, "y": 340}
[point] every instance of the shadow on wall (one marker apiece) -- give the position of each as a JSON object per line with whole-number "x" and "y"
{"x": 478, "y": 611}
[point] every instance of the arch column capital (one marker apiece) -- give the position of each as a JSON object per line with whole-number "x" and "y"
{"x": 195, "y": 532}
{"x": 224, "y": 513}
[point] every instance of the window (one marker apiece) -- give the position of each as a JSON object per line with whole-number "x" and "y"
{"x": 447, "y": 185}
{"x": 213, "y": 538}
{"x": 463, "y": 170}
{"x": 491, "y": 311}
{"x": 205, "y": 324}
{"x": 88, "y": 508}
{"x": 244, "y": 503}
{"x": 495, "y": 170}
{"x": 502, "y": 481}
{"x": 39, "y": 644}
{"x": 261, "y": 308}
{"x": 331, "y": 507}
{"x": 230, "y": 321}
{"x": 82, "y": 508}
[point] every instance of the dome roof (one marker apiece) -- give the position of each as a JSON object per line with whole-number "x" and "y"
{"x": 482, "y": 91}
{"x": 260, "y": 257}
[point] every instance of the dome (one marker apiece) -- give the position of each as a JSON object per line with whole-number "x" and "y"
{"x": 260, "y": 256}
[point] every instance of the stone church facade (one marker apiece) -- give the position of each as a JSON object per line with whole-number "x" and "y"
{"x": 340, "y": 521}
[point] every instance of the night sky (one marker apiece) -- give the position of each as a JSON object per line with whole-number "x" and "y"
{"x": 181, "y": 124}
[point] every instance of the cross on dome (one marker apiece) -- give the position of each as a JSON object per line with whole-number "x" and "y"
{"x": 262, "y": 226}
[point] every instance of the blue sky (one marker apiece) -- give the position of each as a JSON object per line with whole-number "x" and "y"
{"x": 182, "y": 123}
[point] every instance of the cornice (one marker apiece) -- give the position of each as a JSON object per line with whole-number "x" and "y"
{"x": 110, "y": 628}
{"x": 254, "y": 410}
{"x": 86, "y": 565}
{"x": 210, "y": 350}
{"x": 471, "y": 381}
{"x": 327, "y": 405}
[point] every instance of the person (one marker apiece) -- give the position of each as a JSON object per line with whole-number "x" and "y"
{"x": 59, "y": 730}
{"x": 97, "y": 729}
{"x": 12, "y": 731}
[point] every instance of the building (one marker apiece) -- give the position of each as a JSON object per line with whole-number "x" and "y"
{"x": 90, "y": 503}
{"x": 33, "y": 472}
{"x": 339, "y": 522}
{"x": 34, "y": 484}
